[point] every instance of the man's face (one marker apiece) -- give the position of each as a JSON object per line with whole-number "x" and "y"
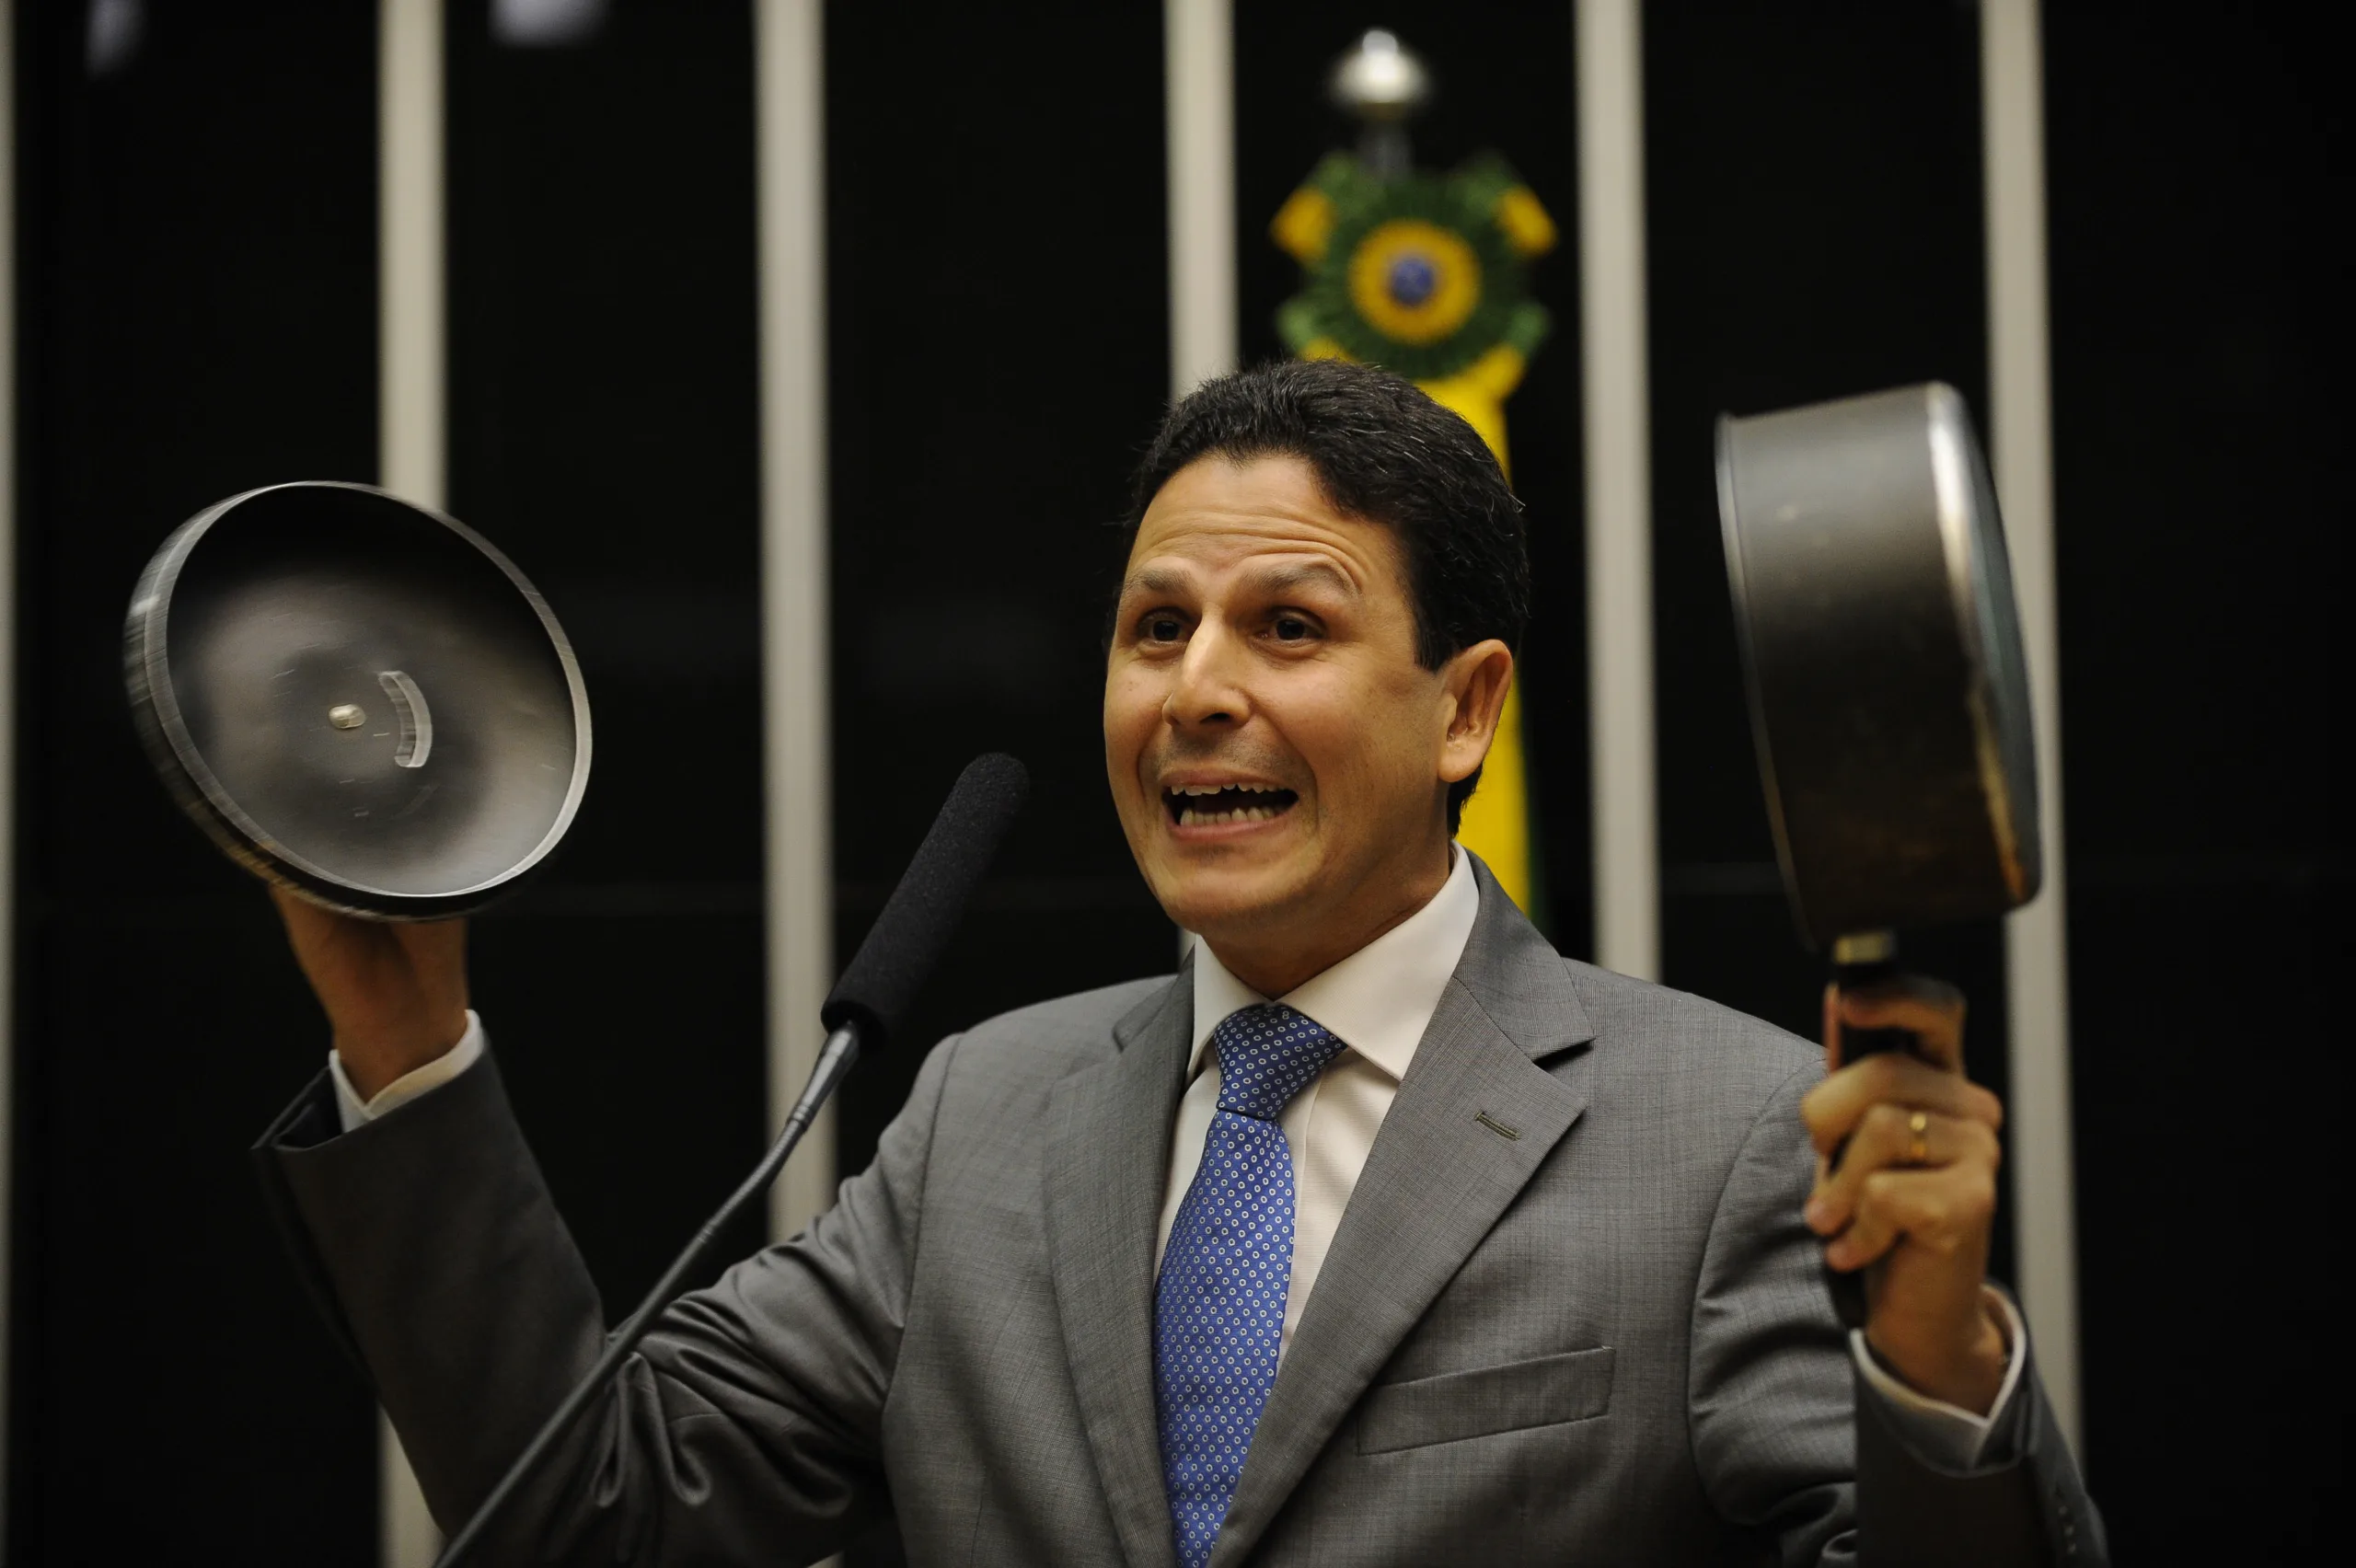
{"x": 1280, "y": 759}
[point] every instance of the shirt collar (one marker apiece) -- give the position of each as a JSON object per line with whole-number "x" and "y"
{"x": 1379, "y": 1000}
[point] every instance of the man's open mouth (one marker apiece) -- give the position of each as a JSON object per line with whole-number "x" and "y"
{"x": 1218, "y": 805}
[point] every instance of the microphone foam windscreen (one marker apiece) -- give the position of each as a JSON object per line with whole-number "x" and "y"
{"x": 907, "y": 938}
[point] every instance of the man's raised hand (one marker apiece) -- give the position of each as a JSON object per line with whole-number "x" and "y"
{"x": 394, "y": 992}
{"x": 1914, "y": 1195}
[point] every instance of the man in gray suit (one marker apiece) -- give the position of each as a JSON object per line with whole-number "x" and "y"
{"x": 1381, "y": 1234}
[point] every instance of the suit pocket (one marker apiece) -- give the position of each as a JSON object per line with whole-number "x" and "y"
{"x": 1575, "y": 1385}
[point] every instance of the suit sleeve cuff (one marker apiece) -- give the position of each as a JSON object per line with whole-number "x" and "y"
{"x": 356, "y": 1112}
{"x": 1946, "y": 1436}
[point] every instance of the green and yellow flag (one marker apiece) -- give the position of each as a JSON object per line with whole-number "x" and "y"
{"x": 1425, "y": 275}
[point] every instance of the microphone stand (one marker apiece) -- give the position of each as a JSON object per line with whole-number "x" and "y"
{"x": 866, "y": 1005}
{"x": 835, "y": 1060}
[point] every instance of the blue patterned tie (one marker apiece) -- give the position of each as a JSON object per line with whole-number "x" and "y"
{"x": 1219, "y": 1312}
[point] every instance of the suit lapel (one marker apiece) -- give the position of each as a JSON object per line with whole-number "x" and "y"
{"x": 1107, "y": 1159}
{"x": 1474, "y": 1118}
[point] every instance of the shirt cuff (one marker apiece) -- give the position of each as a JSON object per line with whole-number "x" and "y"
{"x": 1948, "y": 1435}
{"x": 356, "y": 1112}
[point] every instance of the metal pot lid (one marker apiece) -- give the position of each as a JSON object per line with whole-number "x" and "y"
{"x": 358, "y": 698}
{"x": 1889, "y": 692}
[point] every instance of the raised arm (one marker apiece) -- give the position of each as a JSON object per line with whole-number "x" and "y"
{"x": 394, "y": 992}
{"x": 746, "y": 1430}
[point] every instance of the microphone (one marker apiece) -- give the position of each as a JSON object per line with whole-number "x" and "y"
{"x": 866, "y": 1007}
{"x": 905, "y": 941}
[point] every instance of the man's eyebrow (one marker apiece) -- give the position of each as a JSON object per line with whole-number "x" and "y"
{"x": 1279, "y": 579}
{"x": 1155, "y": 580}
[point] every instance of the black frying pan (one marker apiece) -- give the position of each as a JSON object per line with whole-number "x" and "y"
{"x": 359, "y": 699}
{"x": 1888, "y": 695}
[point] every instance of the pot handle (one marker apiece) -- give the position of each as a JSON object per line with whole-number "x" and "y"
{"x": 1860, "y": 961}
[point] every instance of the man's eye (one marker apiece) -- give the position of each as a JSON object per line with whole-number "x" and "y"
{"x": 1291, "y": 629}
{"x": 1163, "y": 629}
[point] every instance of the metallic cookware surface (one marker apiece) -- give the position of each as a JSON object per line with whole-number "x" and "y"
{"x": 1888, "y": 697}
{"x": 358, "y": 698}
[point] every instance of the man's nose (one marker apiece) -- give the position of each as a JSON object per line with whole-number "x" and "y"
{"x": 1207, "y": 690}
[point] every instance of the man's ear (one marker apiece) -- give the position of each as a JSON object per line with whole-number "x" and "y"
{"x": 1476, "y": 682}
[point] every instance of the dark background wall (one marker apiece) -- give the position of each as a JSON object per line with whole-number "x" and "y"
{"x": 2198, "y": 165}
{"x": 197, "y": 314}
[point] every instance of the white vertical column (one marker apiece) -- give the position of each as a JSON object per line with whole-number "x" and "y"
{"x": 412, "y": 419}
{"x": 1617, "y": 394}
{"x": 2012, "y": 113}
{"x": 789, "y": 88}
{"x": 1198, "y": 106}
{"x": 412, "y": 446}
{"x": 7, "y": 687}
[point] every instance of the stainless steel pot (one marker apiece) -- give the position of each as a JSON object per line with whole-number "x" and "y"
{"x": 359, "y": 699}
{"x": 1888, "y": 695}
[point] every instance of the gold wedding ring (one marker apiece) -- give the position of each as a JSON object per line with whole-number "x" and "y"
{"x": 1919, "y": 1124}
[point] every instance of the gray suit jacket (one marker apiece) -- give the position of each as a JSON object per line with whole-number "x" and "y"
{"x": 1571, "y": 1316}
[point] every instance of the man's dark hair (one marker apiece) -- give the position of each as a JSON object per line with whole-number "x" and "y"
{"x": 1385, "y": 453}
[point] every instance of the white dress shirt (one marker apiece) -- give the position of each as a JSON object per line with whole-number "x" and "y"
{"x": 1378, "y": 1002}
{"x": 353, "y": 1112}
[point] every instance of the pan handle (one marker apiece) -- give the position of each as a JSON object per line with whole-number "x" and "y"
{"x": 1859, "y": 962}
